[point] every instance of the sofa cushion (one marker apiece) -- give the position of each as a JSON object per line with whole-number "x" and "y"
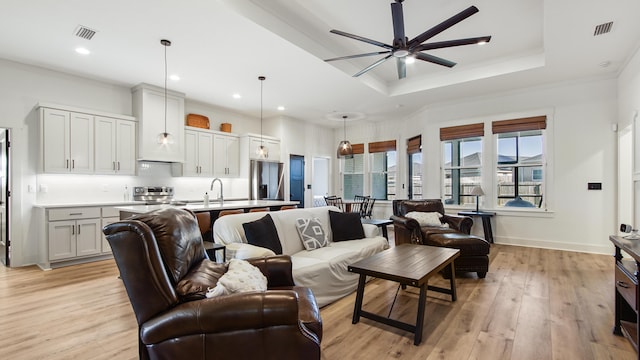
{"x": 427, "y": 218}
{"x": 346, "y": 226}
{"x": 178, "y": 237}
{"x": 203, "y": 276}
{"x": 241, "y": 277}
{"x": 262, "y": 232}
{"x": 311, "y": 233}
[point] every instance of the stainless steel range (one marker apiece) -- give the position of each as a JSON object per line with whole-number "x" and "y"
{"x": 153, "y": 194}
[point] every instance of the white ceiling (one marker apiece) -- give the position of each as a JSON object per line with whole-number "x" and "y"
{"x": 220, "y": 47}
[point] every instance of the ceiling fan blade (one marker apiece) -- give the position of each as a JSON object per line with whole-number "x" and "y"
{"x": 358, "y": 55}
{"x": 452, "y": 43}
{"x": 442, "y": 26}
{"x": 402, "y": 67}
{"x": 360, "y": 38}
{"x": 372, "y": 65}
{"x": 399, "y": 39}
{"x": 435, "y": 60}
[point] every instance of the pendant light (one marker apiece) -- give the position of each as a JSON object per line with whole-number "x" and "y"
{"x": 262, "y": 150}
{"x": 165, "y": 138}
{"x": 345, "y": 150}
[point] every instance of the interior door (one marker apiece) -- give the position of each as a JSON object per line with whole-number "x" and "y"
{"x": 5, "y": 194}
{"x": 296, "y": 179}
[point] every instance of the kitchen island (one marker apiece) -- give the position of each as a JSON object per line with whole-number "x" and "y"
{"x": 214, "y": 207}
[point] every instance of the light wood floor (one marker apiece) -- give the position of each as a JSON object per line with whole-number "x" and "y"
{"x": 533, "y": 304}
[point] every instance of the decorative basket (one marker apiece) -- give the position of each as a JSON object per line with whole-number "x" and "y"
{"x": 196, "y": 120}
{"x": 226, "y": 127}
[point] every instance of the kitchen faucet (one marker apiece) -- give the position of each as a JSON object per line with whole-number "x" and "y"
{"x": 221, "y": 197}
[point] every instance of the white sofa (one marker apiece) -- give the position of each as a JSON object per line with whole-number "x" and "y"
{"x": 323, "y": 270}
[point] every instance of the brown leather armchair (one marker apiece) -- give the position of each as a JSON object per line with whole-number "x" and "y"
{"x": 162, "y": 263}
{"x": 474, "y": 251}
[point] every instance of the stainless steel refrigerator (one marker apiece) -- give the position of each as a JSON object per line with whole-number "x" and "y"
{"x": 266, "y": 180}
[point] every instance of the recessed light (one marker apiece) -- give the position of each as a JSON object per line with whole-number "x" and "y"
{"x": 482, "y": 43}
{"x": 83, "y": 51}
{"x": 174, "y": 77}
{"x": 281, "y": 108}
{"x": 605, "y": 64}
{"x": 237, "y": 96}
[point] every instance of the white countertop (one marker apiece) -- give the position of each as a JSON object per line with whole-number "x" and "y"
{"x": 213, "y": 206}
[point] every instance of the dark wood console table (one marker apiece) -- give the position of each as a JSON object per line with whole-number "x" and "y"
{"x": 626, "y": 293}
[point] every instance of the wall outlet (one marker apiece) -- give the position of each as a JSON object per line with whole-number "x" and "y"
{"x": 44, "y": 188}
{"x": 31, "y": 188}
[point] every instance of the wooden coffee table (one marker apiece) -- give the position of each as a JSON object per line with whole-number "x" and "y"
{"x": 407, "y": 264}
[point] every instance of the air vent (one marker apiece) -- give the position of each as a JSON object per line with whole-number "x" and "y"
{"x": 84, "y": 32}
{"x": 603, "y": 28}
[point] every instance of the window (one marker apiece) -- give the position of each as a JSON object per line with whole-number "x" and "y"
{"x": 353, "y": 173}
{"x": 520, "y": 161}
{"x": 414, "y": 152}
{"x": 462, "y": 162}
{"x": 383, "y": 169}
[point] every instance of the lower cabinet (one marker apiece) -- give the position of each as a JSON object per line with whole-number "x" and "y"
{"x": 109, "y": 216}
{"x": 73, "y": 233}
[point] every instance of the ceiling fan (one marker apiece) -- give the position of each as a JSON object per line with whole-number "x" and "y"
{"x": 403, "y": 48}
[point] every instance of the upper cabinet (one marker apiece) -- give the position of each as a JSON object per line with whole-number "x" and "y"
{"x": 115, "y": 146}
{"x": 209, "y": 153}
{"x": 149, "y": 109}
{"x": 226, "y": 152}
{"x": 254, "y": 141}
{"x": 82, "y": 141}
{"x": 67, "y": 142}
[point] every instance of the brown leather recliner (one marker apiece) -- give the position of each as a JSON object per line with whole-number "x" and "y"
{"x": 162, "y": 263}
{"x": 474, "y": 251}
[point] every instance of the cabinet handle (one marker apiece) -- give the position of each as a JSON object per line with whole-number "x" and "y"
{"x": 114, "y": 165}
{"x": 78, "y": 229}
{"x": 622, "y": 284}
{"x": 67, "y": 164}
{"x": 118, "y": 165}
{"x": 76, "y": 214}
{"x": 73, "y": 164}
{"x": 73, "y": 230}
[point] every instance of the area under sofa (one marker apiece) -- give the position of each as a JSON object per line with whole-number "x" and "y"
{"x": 324, "y": 270}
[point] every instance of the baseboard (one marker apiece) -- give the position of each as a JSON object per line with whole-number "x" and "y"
{"x": 555, "y": 245}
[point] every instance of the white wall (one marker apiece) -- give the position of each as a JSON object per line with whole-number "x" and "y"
{"x": 581, "y": 145}
{"x": 629, "y": 143}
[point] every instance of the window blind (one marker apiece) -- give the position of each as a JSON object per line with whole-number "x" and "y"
{"x": 462, "y": 131}
{"x": 414, "y": 144}
{"x": 358, "y": 148}
{"x": 522, "y": 124}
{"x": 381, "y": 146}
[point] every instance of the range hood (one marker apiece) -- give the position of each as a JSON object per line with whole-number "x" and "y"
{"x": 148, "y": 108}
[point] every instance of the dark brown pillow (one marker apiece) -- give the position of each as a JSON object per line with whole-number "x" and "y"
{"x": 203, "y": 276}
{"x": 263, "y": 233}
{"x": 178, "y": 237}
{"x": 346, "y": 226}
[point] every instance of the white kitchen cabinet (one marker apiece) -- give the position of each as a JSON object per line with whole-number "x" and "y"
{"x": 73, "y": 233}
{"x": 67, "y": 141}
{"x": 115, "y": 146}
{"x": 273, "y": 145}
{"x": 109, "y": 216}
{"x": 198, "y": 159}
{"x": 226, "y": 152}
{"x": 149, "y": 109}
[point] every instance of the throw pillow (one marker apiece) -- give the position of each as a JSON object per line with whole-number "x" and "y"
{"x": 346, "y": 226}
{"x": 427, "y": 218}
{"x": 241, "y": 277}
{"x": 311, "y": 233}
{"x": 263, "y": 233}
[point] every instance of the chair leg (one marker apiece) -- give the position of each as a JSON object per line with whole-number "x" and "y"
{"x": 482, "y": 274}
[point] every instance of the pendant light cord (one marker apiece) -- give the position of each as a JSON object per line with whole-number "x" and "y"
{"x": 344, "y": 122}
{"x": 261, "y": 92}
{"x": 165, "y": 89}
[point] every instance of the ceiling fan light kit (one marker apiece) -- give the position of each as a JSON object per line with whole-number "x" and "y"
{"x": 403, "y": 49}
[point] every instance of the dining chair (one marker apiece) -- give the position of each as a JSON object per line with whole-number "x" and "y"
{"x": 370, "y": 201}
{"x": 334, "y": 201}
{"x": 259, "y": 209}
{"x": 359, "y": 205}
{"x": 230, "y": 212}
